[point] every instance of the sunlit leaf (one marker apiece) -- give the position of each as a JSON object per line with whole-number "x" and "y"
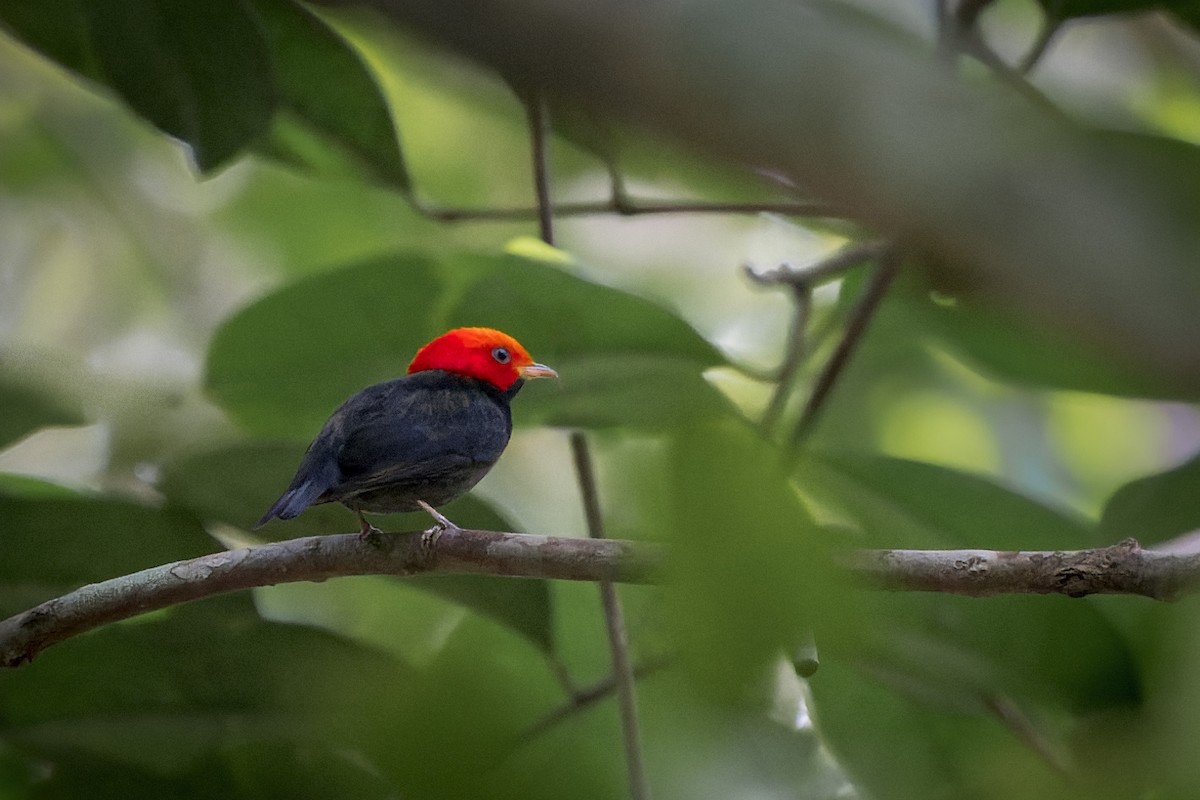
{"x": 329, "y": 89}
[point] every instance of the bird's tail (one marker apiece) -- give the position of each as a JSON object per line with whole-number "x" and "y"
{"x": 294, "y": 500}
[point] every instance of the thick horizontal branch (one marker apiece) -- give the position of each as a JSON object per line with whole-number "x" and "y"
{"x": 318, "y": 558}
{"x": 1125, "y": 568}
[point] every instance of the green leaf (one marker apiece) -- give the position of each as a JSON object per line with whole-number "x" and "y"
{"x": 58, "y": 544}
{"x": 283, "y": 364}
{"x": 750, "y": 573}
{"x": 200, "y": 72}
{"x": 331, "y": 93}
{"x": 1156, "y": 507}
{"x": 1067, "y": 9}
{"x": 236, "y": 484}
{"x": 58, "y": 28}
{"x": 166, "y": 692}
{"x": 1013, "y": 348}
{"x": 26, "y": 409}
{"x": 899, "y": 503}
{"x": 558, "y": 314}
{"x": 925, "y": 672}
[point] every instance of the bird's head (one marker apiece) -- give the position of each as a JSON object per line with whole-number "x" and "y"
{"x": 482, "y": 353}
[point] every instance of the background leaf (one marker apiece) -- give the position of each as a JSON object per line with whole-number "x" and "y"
{"x": 330, "y": 90}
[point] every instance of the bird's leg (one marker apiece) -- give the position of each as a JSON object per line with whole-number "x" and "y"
{"x": 365, "y": 529}
{"x": 429, "y": 538}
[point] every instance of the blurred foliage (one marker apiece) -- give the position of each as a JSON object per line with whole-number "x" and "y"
{"x": 179, "y": 313}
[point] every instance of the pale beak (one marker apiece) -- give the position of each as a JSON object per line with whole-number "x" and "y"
{"x": 537, "y": 371}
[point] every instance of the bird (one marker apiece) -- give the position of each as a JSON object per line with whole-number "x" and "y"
{"x": 418, "y": 441}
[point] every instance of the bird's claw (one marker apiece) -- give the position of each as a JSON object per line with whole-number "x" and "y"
{"x": 442, "y": 524}
{"x": 366, "y": 531}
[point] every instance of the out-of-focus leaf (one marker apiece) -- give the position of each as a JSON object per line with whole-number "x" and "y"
{"x": 1156, "y": 507}
{"x": 559, "y": 314}
{"x": 622, "y": 391}
{"x": 324, "y": 82}
{"x": 749, "y": 570}
{"x": 1068, "y": 9}
{"x": 58, "y": 28}
{"x": 25, "y": 409}
{"x": 236, "y": 484}
{"x": 283, "y": 364}
{"x": 1024, "y": 351}
{"x": 930, "y": 669}
{"x": 13, "y": 485}
{"x": 200, "y": 72}
{"x": 900, "y": 503}
{"x": 161, "y": 695}
{"x": 53, "y": 545}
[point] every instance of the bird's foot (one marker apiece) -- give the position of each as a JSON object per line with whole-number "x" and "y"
{"x": 366, "y": 531}
{"x": 429, "y": 538}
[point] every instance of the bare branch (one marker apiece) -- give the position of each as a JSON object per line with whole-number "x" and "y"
{"x": 586, "y": 698}
{"x": 614, "y": 618}
{"x": 539, "y": 139}
{"x": 318, "y": 558}
{"x": 889, "y": 265}
{"x": 624, "y": 206}
{"x": 1125, "y": 568}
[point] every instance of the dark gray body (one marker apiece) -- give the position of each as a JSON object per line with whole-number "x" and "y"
{"x": 428, "y": 436}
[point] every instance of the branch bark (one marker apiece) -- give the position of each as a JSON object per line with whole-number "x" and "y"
{"x": 1124, "y": 568}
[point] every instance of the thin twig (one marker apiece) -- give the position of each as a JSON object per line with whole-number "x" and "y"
{"x": 539, "y": 138}
{"x": 586, "y": 698}
{"x": 856, "y": 326}
{"x": 802, "y": 281}
{"x": 792, "y": 358}
{"x": 625, "y": 206}
{"x": 639, "y": 787}
{"x": 1046, "y": 33}
{"x": 1013, "y": 718}
{"x": 812, "y": 275}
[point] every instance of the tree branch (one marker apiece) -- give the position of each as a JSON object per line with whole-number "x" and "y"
{"x": 614, "y": 619}
{"x": 1164, "y": 573}
{"x": 317, "y": 558}
{"x": 1123, "y": 568}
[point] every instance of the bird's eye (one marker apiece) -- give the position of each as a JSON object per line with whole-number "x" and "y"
{"x": 501, "y": 355}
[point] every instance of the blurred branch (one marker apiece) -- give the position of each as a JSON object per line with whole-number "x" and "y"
{"x": 1164, "y": 573}
{"x": 1038, "y": 743}
{"x": 801, "y": 281}
{"x": 958, "y": 33}
{"x": 622, "y": 205}
{"x": 583, "y": 699}
{"x": 614, "y": 618}
{"x": 1046, "y": 33}
{"x": 539, "y": 138}
{"x": 877, "y": 286}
